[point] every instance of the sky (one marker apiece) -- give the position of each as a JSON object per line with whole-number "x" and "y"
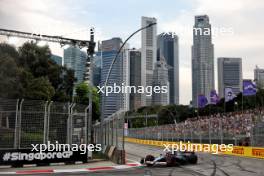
{"x": 118, "y": 18}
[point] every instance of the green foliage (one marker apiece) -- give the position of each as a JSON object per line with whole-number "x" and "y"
{"x": 40, "y": 88}
{"x": 9, "y": 76}
{"x": 29, "y": 73}
{"x": 82, "y": 97}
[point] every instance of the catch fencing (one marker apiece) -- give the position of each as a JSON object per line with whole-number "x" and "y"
{"x": 113, "y": 130}
{"x": 238, "y": 128}
{"x": 26, "y": 122}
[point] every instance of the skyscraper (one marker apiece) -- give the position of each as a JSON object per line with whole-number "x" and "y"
{"x": 97, "y": 64}
{"x": 75, "y": 59}
{"x": 259, "y": 77}
{"x": 125, "y": 72}
{"x": 135, "y": 78}
{"x": 229, "y": 75}
{"x": 114, "y": 101}
{"x": 168, "y": 47}
{"x": 148, "y": 55}
{"x": 56, "y": 59}
{"x": 202, "y": 59}
{"x": 160, "y": 79}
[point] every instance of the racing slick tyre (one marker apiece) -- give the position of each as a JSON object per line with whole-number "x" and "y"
{"x": 149, "y": 158}
{"x": 193, "y": 159}
{"x": 170, "y": 161}
{"x": 142, "y": 161}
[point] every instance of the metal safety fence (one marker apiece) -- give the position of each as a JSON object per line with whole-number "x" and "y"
{"x": 112, "y": 131}
{"x": 26, "y": 122}
{"x": 238, "y": 128}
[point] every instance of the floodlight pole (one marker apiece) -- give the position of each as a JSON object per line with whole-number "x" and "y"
{"x": 108, "y": 74}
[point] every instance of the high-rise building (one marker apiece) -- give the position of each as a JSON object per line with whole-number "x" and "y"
{"x": 56, "y": 59}
{"x": 160, "y": 79}
{"x": 114, "y": 101}
{"x": 97, "y": 65}
{"x": 229, "y": 75}
{"x": 75, "y": 59}
{"x": 202, "y": 59}
{"x": 135, "y": 78}
{"x": 259, "y": 77}
{"x": 168, "y": 47}
{"x": 148, "y": 55}
{"x": 125, "y": 72}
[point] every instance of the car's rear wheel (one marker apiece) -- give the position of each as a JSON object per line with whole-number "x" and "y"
{"x": 193, "y": 159}
{"x": 170, "y": 161}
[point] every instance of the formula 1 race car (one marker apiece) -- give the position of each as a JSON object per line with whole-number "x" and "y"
{"x": 169, "y": 159}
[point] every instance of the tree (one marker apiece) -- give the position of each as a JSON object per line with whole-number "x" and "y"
{"x": 36, "y": 60}
{"x": 40, "y": 88}
{"x": 82, "y": 97}
{"x": 10, "y": 87}
{"x": 30, "y": 65}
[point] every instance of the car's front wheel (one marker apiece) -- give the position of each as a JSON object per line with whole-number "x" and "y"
{"x": 149, "y": 158}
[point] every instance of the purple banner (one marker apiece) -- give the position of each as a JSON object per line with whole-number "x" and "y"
{"x": 229, "y": 94}
{"x": 249, "y": 88}
{"x": 202, "y": 101}
{"x": 214, "y": 98}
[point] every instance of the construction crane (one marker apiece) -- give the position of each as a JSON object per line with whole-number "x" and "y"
{"x": 90, "y": 44}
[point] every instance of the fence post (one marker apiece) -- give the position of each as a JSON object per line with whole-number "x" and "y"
{"x": 48, "y": 120}
{"x": 19, "y": 124}
{"x": 221, "y": 132}
{"x": 116, "y": 130}
{"x": 107, "y": 132}
{"x": 16, "y": 137}
{"x": 123, "y": 127}
{"x": 184, "y": 134}
{"x": 68, "y": 123}
{"x": 45, "y": 123}
{"x": 200, "y": 134}
{"x": 70, "y": 110}
{"x": 251, "y": 136}
{"x": 191, "y": 135}
{"x": 209, "y": 131}
{"x": 112, "y": 131}
{"x": 87, "y": 138}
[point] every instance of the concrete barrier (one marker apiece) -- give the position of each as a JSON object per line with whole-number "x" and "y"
{"x": 115, "y": 155}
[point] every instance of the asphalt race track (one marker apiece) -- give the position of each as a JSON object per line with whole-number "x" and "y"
{"x": 208, "y": 165}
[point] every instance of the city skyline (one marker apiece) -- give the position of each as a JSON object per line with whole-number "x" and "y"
{"x": 70, "y": 17}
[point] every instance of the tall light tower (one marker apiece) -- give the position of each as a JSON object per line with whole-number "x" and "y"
{"x": 108, "y": 75}
{"x": 88, "y": 78}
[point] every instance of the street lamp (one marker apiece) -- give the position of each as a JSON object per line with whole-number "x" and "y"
{"x": 109, "y": 72}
